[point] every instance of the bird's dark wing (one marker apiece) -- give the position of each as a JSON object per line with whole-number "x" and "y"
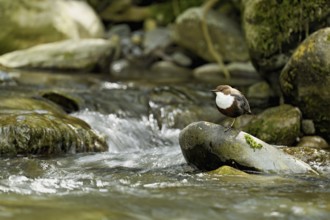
{"x": 243, "y": 102}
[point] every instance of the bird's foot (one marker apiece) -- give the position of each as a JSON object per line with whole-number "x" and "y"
{"x": 228, "y": 128}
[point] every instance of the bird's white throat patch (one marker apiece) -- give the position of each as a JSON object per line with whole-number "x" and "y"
{"x": 224, "y": 101}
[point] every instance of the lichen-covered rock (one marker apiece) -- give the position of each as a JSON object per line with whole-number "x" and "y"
{"x": 277, "y": 125}
{"x": 305, "y": 80}
{"x": 27, "y": 23}
{"x": 37, "y": 127}
{"x": 83, "y": 54}
{"x": 225, "y": 35}
{"x": 272, "y": 28}
{"x": 208, "y": 146}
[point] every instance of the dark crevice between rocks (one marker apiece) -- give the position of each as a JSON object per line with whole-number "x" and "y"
{"x": 67, "y": 104}
{"x": 234, "y": 164}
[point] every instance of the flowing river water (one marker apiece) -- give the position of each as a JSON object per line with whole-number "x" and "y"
{"x": 144, "y": 176}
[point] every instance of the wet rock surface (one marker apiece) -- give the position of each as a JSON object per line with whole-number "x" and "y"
{"x": 207, "y": 146}
{"x": 316, "y": 157}
{"x": 305, "y": 80}
{"x": 277, "y": 125}
{"x": 38, "y": 127}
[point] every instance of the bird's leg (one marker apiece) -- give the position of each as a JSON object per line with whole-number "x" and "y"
{"x": 227, "y": 129}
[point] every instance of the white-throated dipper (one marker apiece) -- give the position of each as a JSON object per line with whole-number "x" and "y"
{"x": 231, "y": 102}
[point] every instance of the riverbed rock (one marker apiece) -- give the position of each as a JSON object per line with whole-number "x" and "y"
{"x": 260, "y": 95}
{"x": 313, "y": 141}
{"x": 305, "y": 80}
{"x": 278, "y": 125}
{"x": 208, "y": 146}
{"x": 317, "y": 158}
{"x": 228, "y": 171}
{"x": 27, "y": 23}
{"x": 84, "y": 54}
{"x": 274, "y": 28}
{"x": 225, "y": 34}
{"x": 37, "y": 127}
{"x": 241, "y": 74}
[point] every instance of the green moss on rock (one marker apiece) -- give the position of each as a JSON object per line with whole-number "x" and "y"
{"x": 269, "y": 23}
{"x": 38, "y": 127}
{"x": 305, "y": 80}
{"x": 251, "y": 142}
{"x": 277, "y": 125}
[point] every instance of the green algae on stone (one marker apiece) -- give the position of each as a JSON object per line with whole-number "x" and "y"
{"x": 251, "y": 142}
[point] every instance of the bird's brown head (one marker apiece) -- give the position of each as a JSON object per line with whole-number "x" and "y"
{"x": 222, "y": 88}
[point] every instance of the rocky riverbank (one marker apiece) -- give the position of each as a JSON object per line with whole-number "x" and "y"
{"x": 137, "y": 60}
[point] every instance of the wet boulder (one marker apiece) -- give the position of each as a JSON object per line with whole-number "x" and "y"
{"x": 27, "y": 23}
{"x": 278, "y": 125}
{"x": 305, "y": 80}
{"x": 38, "y": 127}
{"x": 225, "y": 34}
{"x": 208, "y": 146}
{"x": 83, "y": 54}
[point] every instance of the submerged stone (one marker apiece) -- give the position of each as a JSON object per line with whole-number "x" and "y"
{"x": 208, "y": 146}
{"x": 227, "y": 170}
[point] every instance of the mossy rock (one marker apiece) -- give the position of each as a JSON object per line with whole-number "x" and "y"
{"x": 305, "y": 80}
{"x": 274, "y": 28}
{"x": 38, "y": 127}
{"x": 208, "y": 146}
{"x": 228, "y": 171}
{"x": 278, "y": 125}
